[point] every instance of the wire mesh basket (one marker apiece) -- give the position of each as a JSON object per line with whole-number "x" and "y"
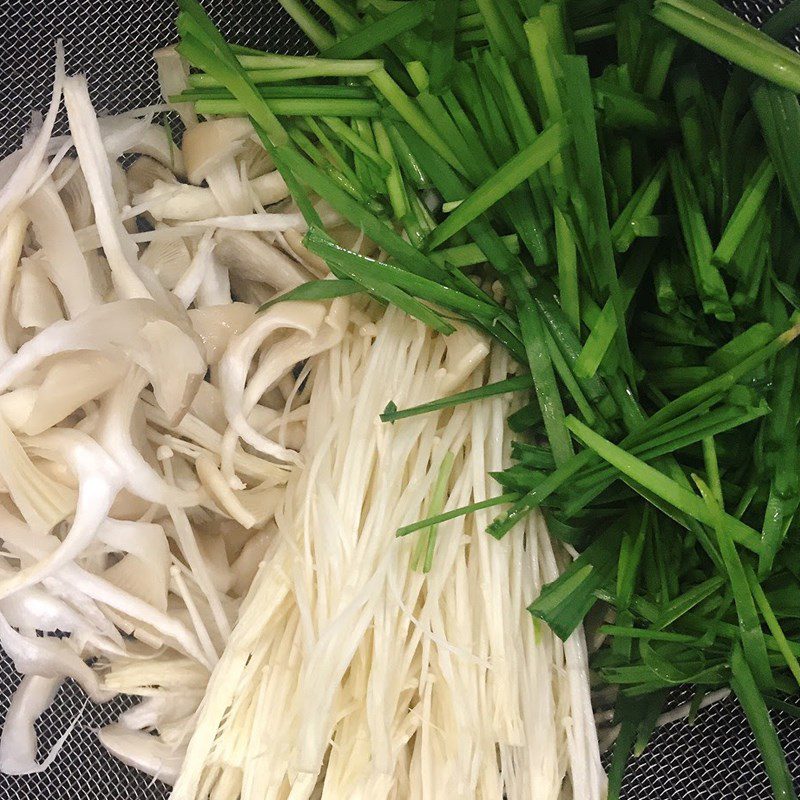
{"x": 111, "y": 41}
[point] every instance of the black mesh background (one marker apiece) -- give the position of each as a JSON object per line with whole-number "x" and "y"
{"x": 82, "y": 770}
{"x": 111, "y": 41}
{"x": 716, "y": 758}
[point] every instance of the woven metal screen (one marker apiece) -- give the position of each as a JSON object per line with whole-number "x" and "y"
{"x": 716, "y": 759}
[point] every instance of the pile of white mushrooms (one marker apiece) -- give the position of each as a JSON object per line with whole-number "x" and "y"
{"x": 147, "y": 421}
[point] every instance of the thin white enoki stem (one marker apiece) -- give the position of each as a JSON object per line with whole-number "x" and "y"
{"x": 588, "y": 777}
{"x": 683, "y": 710}
{"x": 194, "y": 429}
{"x": 352, "y": 499}
{"x": 290, "y": 398}
{"x": 194, "y": 558}
{"x": 269, "y": 739}
{"x": 451, "y": 669}
{"x": 406, "y": 446}
{"x": 231, "y": 678}
{"x": 194, "y": 614}
{"x": 583, "y": 722}
{"x": 51, "y": 168}
{"x": 501, "y": 590}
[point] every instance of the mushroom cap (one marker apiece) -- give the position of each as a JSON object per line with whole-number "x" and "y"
{"x": 206, "y": 145}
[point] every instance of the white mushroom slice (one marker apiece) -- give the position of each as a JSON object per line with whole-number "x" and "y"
{"x": 178, "y": 201}
{"x": 100, "y": 275}
{"x": 122, "y": 436}
{"x": 72, "y": 380}
{"x": 246, "y": 564}
{"x": 142, "y": 751}
{"x": 11, "y": 240}
{"x": 166, "y": 199}
{"x": 269, "y": 188}
{"x": 128, "y": 506}
{"x": 119, "y": 183}
{"x": 228, "y": 185}
{"x": 74, "y": 194}
{"x": 211, "y": 143}
{"x": 99, "y": 480}
{"x": 251, "y": 292}
{"x": 176, "y": 364}
{"x": 173, "y": 74}
{"x": 18, "y": 741}
{"x": 42, "y": 501}
{"x": 35, "y": 608}
{"x": 348, "y": 236}
{"x": 20, "y": 170}
{"x": 67, "y": 265}
{"x": 168, "y": 258}
{"x": 49, "y": 658}
{"x": 35, "y": 301}
{"x": 16, "y": 406}
{"x": 306, "y": 318}
{"x": 137, "y": 577}
{"x": 215, "y": 325}
{"x": 123, "y": 134}
{"x": 202, "y": 263}
{"x": 166, "y": 670}
{"x": 248, "y": 256}
{"x": 207, "y": 403}
{"x": 313, "y": 263}
{"x": 255, "y": 159}
{"x": 119, "y": 249}
{"x": 160, "y": 708}
{"x": 212, "y": 548}
{"x": 310, "y": 330}
{"x": 135, "y": 328}
{"x": 215, "y": 288}
{"x": 143, "y": 174}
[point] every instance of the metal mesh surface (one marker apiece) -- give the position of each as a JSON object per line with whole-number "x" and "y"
{"x": 714, "y": 759}
{"x": 82, "y": 770}
{"x": 111, "y": 40}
